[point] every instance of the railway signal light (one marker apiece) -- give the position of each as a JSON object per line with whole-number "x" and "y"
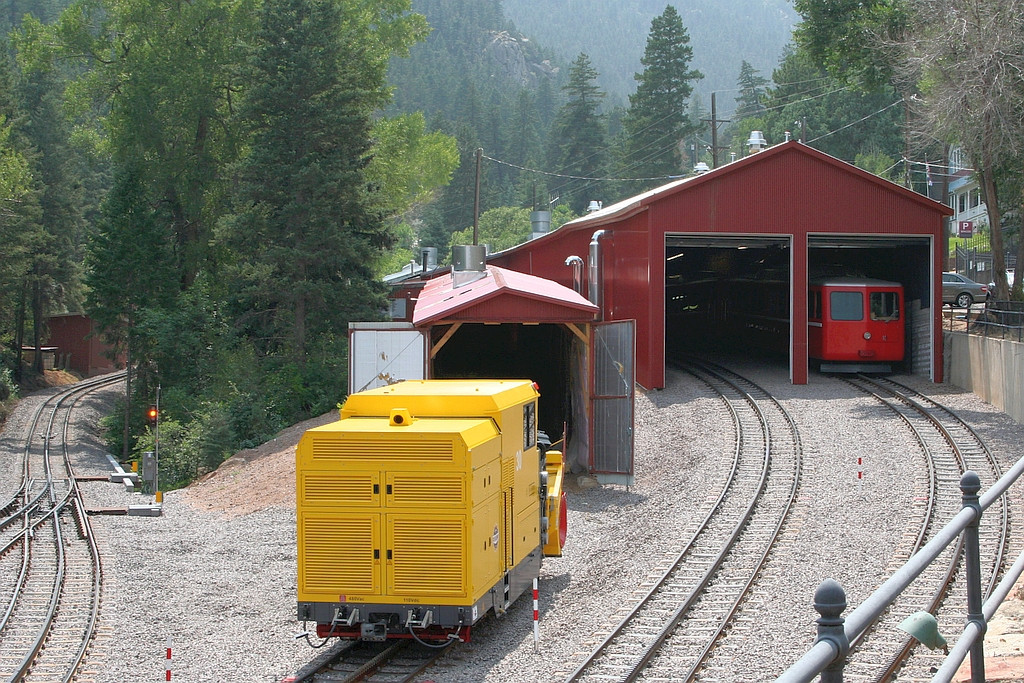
{"x": 152, "y": 413}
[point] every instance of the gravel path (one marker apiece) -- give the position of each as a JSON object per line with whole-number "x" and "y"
{"x": 216, "y": 572}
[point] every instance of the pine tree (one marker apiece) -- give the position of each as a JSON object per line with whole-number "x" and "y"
{"x": 57, "y": 259}
{"x": 579, "y": 136}
{"x": 307, "y": 229}
{"x": 752, "y": 91}
{"x": 656, "y": 123}
{"x": 20, "y": 227}
{"x": 130, "y": 264}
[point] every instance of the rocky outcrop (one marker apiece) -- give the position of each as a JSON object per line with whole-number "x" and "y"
{"x": 511, "y": 58}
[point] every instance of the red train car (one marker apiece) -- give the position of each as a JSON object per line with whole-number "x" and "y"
{"x": 855, "y": 324}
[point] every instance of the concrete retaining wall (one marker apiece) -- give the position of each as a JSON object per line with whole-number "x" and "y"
{"x": 991, "y": 368}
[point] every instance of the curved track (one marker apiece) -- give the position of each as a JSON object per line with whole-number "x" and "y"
{"x": 50, "y": 568}
{"x": 950, "y": 447}
{"x": 673, "y": 627}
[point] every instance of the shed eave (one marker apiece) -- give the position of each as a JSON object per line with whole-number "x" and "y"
{"x": 440, "y": 300}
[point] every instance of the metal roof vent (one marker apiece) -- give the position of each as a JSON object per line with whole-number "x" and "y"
{"x": 428, "y": 258}
{"x": 540, "y": 223}
{"x": 468, "y": 263}
{"x": 700, "y": 168}
{"x": 756, "y": 141}
{"x": 594, "y": 205}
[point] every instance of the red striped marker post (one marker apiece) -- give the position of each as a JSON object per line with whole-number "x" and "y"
{"x": 168, "y": 658}
{"x": 536, "y": 617}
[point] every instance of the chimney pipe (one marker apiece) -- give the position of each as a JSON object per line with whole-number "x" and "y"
{"x": 540, "y": 223}
{"x": 595, "y": 273}
{"x": 577, "y": 272}
{"x": 468, "y": 264}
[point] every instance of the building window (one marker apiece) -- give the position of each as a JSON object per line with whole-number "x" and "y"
{"x": 397, "y": 308}
{"x": 956, "y": 160}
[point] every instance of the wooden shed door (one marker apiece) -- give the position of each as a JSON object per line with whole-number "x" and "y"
{"x": 612, "y": 379}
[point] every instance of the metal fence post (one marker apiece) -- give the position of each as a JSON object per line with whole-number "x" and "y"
{"x": 830, "y": 601}
{"x": 970, "y": 484}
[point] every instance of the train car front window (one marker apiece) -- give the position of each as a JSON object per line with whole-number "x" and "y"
{"x": 846, "y": 305}
{"x": 885, "y": 306}
{"x": 814, "y": 305}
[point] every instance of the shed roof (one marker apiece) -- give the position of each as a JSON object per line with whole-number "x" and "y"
{"x": 501, "y": 295}
{"x": 630, "y": 206}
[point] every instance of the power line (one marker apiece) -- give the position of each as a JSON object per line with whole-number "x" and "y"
{"x": 578, "y": 177}
{"x": 854, "y": 123}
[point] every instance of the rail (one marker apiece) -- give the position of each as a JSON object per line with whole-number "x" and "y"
{"x": 725, "y": 552}
{"x": 998, "y": 320}
{"x": 826, "y": 656}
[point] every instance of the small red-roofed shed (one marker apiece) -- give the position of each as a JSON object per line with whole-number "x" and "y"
{"x": 500, "y": 295}
{"x": 489, "y": 322}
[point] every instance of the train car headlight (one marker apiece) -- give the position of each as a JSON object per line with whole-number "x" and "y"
{"x": 867, "y": 335}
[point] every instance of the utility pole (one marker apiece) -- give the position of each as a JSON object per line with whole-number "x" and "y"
{"x": 476, "y": 198}
{"x": 714, "y": 121}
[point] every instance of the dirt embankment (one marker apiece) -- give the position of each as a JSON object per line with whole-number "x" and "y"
{"x": 255, "y": 478}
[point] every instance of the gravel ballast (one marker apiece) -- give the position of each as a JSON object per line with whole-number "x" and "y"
{"x": 215, "y": 573}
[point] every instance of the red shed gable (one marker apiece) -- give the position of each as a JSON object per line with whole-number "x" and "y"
{"x": 501, "y": 295}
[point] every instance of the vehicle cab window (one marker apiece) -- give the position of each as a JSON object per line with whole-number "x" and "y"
{"x": 885, "y": 306}
{"x": 846, "y": 305}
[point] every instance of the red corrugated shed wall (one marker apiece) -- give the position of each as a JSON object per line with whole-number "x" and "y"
{"x": 787, "y": 190}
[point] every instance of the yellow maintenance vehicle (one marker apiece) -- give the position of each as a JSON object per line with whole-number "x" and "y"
{"x": 426, "y": 506}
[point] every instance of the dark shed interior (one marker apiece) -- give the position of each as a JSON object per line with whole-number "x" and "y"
{"x": 732, "y": 294}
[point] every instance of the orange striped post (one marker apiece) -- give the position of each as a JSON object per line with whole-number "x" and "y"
{"x": 168, "y": 658}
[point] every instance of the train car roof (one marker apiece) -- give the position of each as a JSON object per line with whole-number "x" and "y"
{"x": 846, "y": 281}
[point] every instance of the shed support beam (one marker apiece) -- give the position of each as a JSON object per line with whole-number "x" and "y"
{"x": 798, "y": 310}
{"x": 582, "y": 334}
{"x": 436, "y": 348}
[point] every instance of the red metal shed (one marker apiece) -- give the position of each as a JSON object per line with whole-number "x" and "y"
{"x": 810, "y": 205}
{"x": 79, "y": 344}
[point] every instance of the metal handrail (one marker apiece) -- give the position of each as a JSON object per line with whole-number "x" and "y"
{"x": 829, "y": 648}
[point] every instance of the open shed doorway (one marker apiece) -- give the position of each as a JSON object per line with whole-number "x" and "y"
{"x": 727, "y": 295}
{"x": 547, "y": 353}
{"x": 903, "y": 259}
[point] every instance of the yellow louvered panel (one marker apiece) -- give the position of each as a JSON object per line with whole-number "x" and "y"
{"x": 508, "y": 472}
{"x": 336, "y": 554}
{"x": 423, "y": 490}
{"x": 336, "y": 489}
{"x": 427, "y": 556}
{"x": 507, "y": 537}
{"x": 390, "y": 450}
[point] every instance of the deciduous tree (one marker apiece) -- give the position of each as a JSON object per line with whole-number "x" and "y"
{"x": 968, "y": 58}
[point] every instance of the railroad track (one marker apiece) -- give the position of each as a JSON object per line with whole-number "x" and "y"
{"x": 950, "y": 447}
{"x": 395, "y": 661}
{"x": 674, "y": 625}
{"x": 49, "y": 561}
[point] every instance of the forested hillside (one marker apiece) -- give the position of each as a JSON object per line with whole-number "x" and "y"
{"x": 612, "y": 33}
{"x": 222, "y": 186}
